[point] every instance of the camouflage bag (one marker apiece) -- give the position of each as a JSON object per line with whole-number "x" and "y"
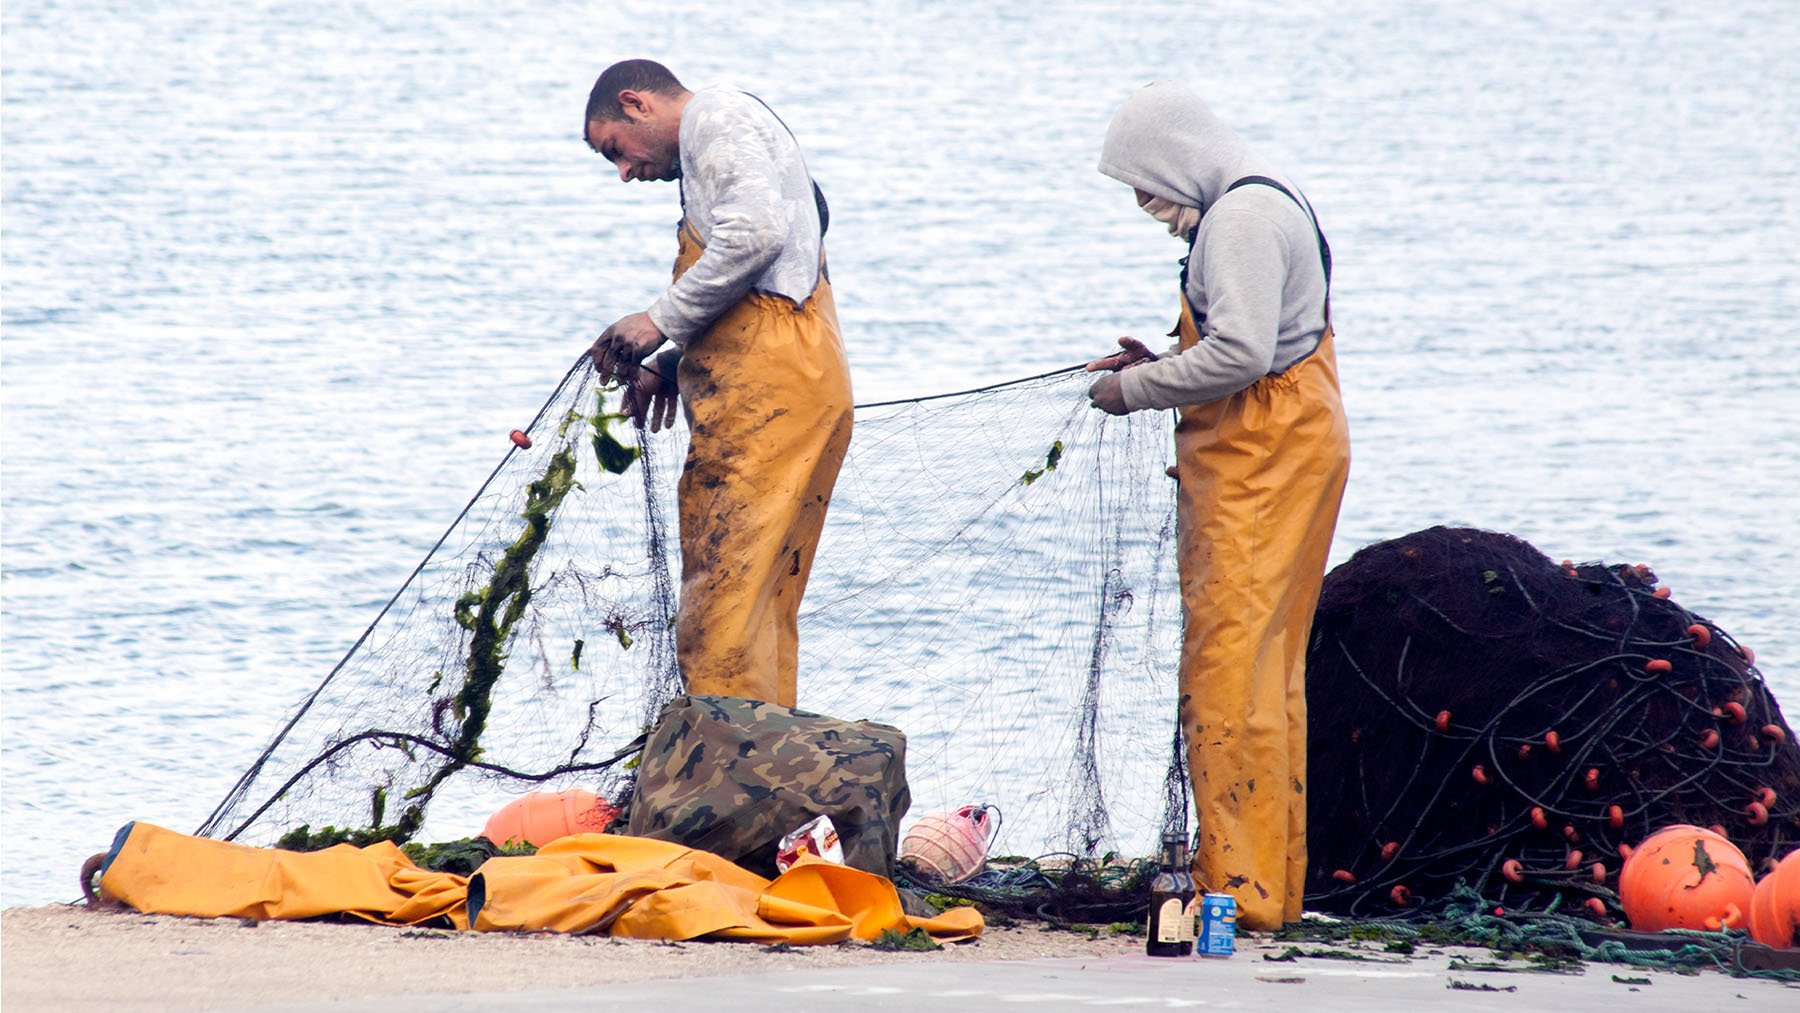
{"x": 732, "y": 776}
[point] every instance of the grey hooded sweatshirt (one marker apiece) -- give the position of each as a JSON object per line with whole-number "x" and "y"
{"x": 1254, "y": 279}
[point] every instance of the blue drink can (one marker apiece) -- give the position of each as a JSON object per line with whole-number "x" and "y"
{"x": 1217, "y": 933}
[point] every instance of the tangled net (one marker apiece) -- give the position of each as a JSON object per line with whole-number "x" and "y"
{"x": 994, "y": 578}
{"x": 1483, "y": 716}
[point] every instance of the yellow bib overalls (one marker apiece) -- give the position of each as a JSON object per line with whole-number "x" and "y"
{"x": 766, "y": 389}
{"x": 1262, "y": 475}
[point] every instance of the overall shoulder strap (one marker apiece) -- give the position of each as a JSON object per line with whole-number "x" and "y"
{"x": 1324, "y": 247}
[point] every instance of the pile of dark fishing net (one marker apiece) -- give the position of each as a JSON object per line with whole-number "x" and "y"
{"x": 1483, "y": 717}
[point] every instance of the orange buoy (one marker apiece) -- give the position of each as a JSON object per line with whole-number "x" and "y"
{"x": 1765, "y": 795}
{"x": 1443, "y": 721}
{"x": 1775, "y": 905}
{"x": 1479, "y": 773}
{"x": 1615, "y": 816}
{"x": 1553, "y": 741}
{"x": 1513, "y": 870}
{"x": 1684, "y": 877}
{"x": 1344, "y": 876}
{"x": 1625, "y": 850}
{"x": 1757, "y": 814}
{"x": 1572, "y": 862}
{"x": 1776, "y": 732}
{"x": 1657, "y": 666}
{"x": 544, "y": 816}
{"x": 520, "y": 440}
{"x": 1592, "y": 778}
{"x": 1538, "y": 819}
{"x": 1661, "y": 592}
{"x": 1597, "y": 907}
{"x": 1702, "y": 636}
{"x": 1389, "y": 850}
{"x": 1710, "y": 740}
{"x": 1734, "y": 712}
{"x": 1400, "y": 895}
{"x": 1571, "y": 833}
{"x": 1524, "y": 750}
{"x": 1598, "y": 872}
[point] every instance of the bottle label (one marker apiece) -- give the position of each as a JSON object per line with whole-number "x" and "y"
{"x": 1190, "y": 919}
{"x": 1166, "y": 926}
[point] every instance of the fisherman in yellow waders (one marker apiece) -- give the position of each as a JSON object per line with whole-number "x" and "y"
{"x": 1263, "y": 451}
{"x": 757, "y": 361}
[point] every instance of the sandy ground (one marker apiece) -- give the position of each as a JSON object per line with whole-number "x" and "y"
{"x": 73, "y": 958}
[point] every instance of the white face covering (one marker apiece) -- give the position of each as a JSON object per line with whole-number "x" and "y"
{"x": 1180, "y": 219}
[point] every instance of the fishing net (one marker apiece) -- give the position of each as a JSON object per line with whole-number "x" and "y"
{"x": 995, "y": 578}
{"x": 1483, "y": 716}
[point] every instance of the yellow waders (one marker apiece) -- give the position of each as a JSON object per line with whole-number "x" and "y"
{"x": 767, "y": 394}
{"x": 1262, "y": 475}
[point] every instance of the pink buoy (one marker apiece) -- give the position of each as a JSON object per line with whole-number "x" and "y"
{"x": 951, "y": 847}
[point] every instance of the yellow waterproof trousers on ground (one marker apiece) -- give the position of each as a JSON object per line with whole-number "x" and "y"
{"x": 767, "y": 396}
{"x": 1262, "y": 475}
{"x": 159, "y": 871}
{"x": 604, "y": 883}
{"x": 644, "y": 889}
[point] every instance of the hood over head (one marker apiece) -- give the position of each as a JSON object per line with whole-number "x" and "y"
{"x": 1164, "y": 141}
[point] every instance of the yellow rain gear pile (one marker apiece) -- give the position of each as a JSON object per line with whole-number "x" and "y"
{"x": 588, "y": 883}
{"x": 767, "y": 396}
{"x": 1262, "y": 476}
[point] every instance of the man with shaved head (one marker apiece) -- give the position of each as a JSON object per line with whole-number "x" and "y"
{"x": 755, "y": 359}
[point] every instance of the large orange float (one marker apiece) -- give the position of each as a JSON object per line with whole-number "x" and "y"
{"x": 544, "y": 816}
{"x": 1686, "y": 877}
{"x": 1775, "y": 906}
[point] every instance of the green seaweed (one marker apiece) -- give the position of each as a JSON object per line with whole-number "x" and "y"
{"x": 617, "y": 626}
{"x": 614, "y": 456}
{"x": 463, "y": 856}
{"x": 490, "y": 613}
{"x": 913, "y": 939}
{"x": 1051, "y": 460}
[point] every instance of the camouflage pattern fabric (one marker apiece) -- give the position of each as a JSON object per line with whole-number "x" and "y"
{"x": 733, "y": 776}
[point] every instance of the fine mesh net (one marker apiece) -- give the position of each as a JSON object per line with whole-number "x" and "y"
{"x": 995, "y": 578}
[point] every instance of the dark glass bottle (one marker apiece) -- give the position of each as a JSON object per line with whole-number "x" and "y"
{"x": 1170, "y": 929}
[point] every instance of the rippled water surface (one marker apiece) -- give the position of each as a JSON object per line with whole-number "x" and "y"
{"x": 279, "y": 277}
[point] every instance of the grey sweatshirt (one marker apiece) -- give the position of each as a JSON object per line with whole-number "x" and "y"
{"x": 1254, "y": 279}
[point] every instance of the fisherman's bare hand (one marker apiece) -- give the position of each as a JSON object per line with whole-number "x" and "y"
{"x": 1108, "y": 395}
{"x": 622, "y": 346}
{"x": 653, "y": 392}
{"x": 1134, "y": 353}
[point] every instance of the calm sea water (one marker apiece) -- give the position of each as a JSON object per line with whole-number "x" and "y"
{"x": 279, "y": 277}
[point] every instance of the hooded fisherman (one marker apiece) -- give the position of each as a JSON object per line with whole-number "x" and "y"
{"x": 1263, "y": 452}
{"x": 756, "y": 360}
